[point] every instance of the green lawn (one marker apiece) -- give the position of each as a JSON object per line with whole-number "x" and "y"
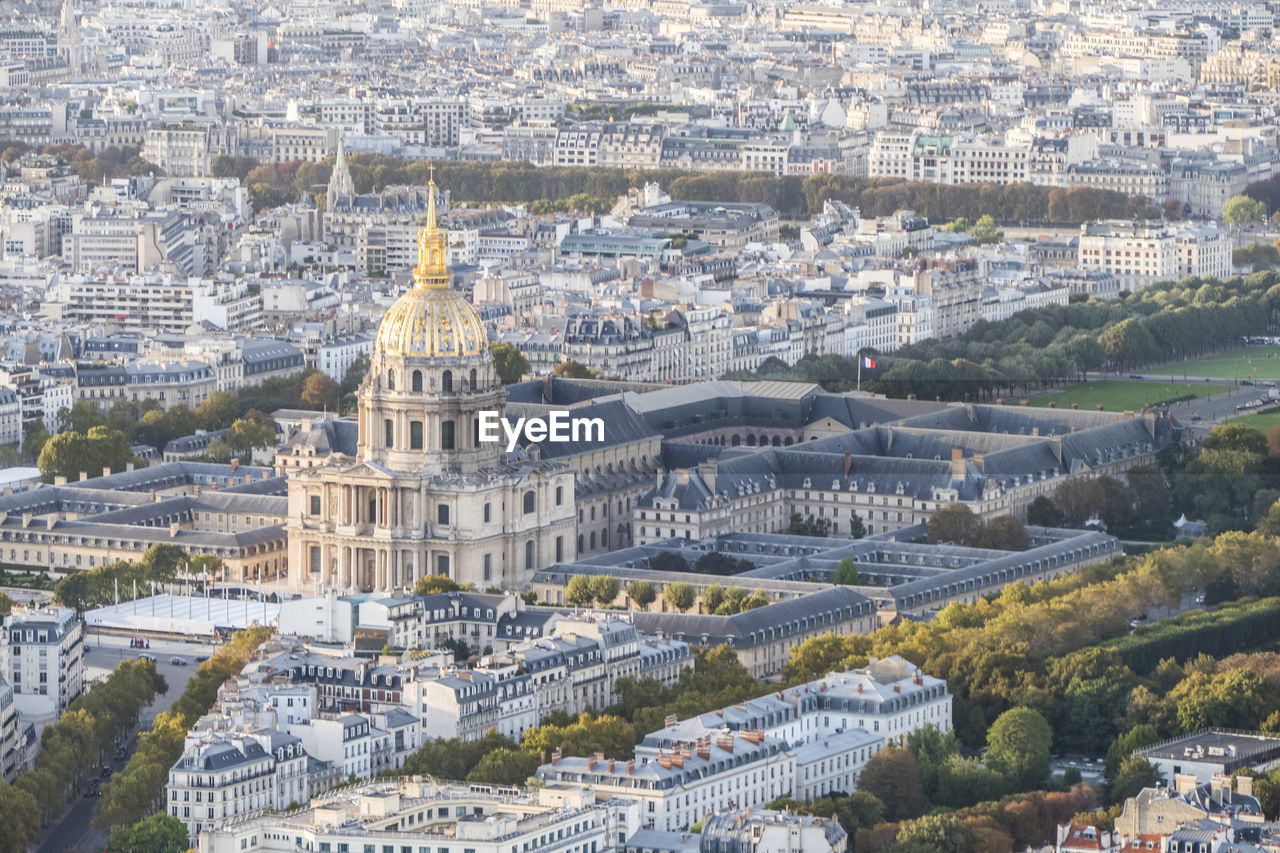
{"x": 1124, "y": 395}
{"x": 1263, "y": 362}
{"x": 1259, "y": 420}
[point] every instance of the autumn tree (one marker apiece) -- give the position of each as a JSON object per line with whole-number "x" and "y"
{"x": 218, "y": 411}
{"x": 893, "y": 776}
{"x": 320, "y": 392}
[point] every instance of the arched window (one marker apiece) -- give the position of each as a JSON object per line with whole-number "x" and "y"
{"x": 417, "y": 380}
{"x": 446, "y": 382}
{"x": 528, "y": 556}
{"x": 446, "y": 435}
{"x": 415, "y": 435}
{"x": 528, "y": 502}
{"x": 473, "y": 379}
{"x": 391, "y": 380}
{"x": 579, "y": 543}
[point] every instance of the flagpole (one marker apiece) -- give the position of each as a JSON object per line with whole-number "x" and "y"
{"x": 859, "y": 371}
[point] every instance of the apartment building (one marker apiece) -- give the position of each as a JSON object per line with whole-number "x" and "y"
{"x": 42, "y": 657}
{"x": 1136, "y": 254}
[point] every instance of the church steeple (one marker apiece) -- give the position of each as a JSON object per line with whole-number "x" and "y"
{"x": 69, "y": 38}
{"x": 340, "y": 183}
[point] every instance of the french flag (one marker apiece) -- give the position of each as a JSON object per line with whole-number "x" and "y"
{"x": 868, "y": 363}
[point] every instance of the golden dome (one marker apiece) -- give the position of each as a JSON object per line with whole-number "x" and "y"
{"x": 432, "y": 319}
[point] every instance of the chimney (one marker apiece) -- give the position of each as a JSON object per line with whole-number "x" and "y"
{"x": 555, "y": 756}
{"x": 235, "y": 463}
{"x": 128, "y": 466}
{"x": 84, "y": 475}
{"x": 1128, "y": 413}
{"x": 848, "y": 462}
{"x": 59, "y": 480}
{"x": 1035, "y": 430}
{"x": 631, "y": 764}
{"x": 958, "y": 468}
{"x": 1244, "y": 786}
{"x": 979, "y": 461}
{"x": 173, "y": 529}
{"x": 106, "y": 470}
{"x": 1184, "y": 783}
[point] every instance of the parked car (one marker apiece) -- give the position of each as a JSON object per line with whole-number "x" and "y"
{"x": 147, "y": 657}
{"x": 201, "y": 658}
{"x": 177, "y": 661}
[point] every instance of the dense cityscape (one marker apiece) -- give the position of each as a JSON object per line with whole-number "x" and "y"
{"x": 630, "y": 426}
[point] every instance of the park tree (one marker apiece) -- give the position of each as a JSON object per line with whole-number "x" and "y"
{"x": 1237, "y": 437}
{"x": 432, "y": 584}
{"x": 668, "y": 561}
{"x": 1043, "y": 512}
{"x": 578, "y": 591}
{"x": 587, "y": 735}
{"x": 509, "y": 363}
{"x": 856, "y": 528}
{"x": 814, "y": 658}
{"x": 934, "y": 834}
{"x": 573, "y": 370}
{"x": 642, "y": 593}
{"x": 985, "y": 231}
{"x": 246, "y": 435}
{"x": 847, "y": 573}
{"x": 505, "y": 766}
{"x": 1018, "y": 744}
{"x": 33, "y": 442}
{"x": 712, "y": 597}
{"x": 67, "y": 454}
{"x": 1134, "y": 774}
{"x": 955, "y": 524}
{"x": 892, "y": 775}
{"x": 355, "y": 374}
{"x": 19, "y": 819}
{"x": 319, "y": 392}
{"x": 1242, "y": 210}
{"x": 1127, "y": 744}
{"x": 1004, "y": 533}
{"x": 1128, "y": 344}
{"x": 679, "y": 595}
{"x": 604, "y": 589}
{"x": 160, "y": 833}
{"x": 219, "y": 411}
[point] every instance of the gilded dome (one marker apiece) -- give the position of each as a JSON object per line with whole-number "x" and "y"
{"x": 432, "y": 319}
{"x": 432, "y": 322}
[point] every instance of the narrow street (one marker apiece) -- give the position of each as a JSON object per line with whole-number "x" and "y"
{"x": 102, "y": 654}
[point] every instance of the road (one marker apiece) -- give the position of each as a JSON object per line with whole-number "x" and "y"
{"x": 102, "y": 654}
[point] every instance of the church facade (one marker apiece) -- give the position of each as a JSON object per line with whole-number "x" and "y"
{"x": 423, "y": 493}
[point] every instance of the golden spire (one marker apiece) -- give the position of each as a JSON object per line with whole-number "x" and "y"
{"x": 431, "y": 271}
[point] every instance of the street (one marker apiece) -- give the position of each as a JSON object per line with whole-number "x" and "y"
{"x": 102, "y": 654}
